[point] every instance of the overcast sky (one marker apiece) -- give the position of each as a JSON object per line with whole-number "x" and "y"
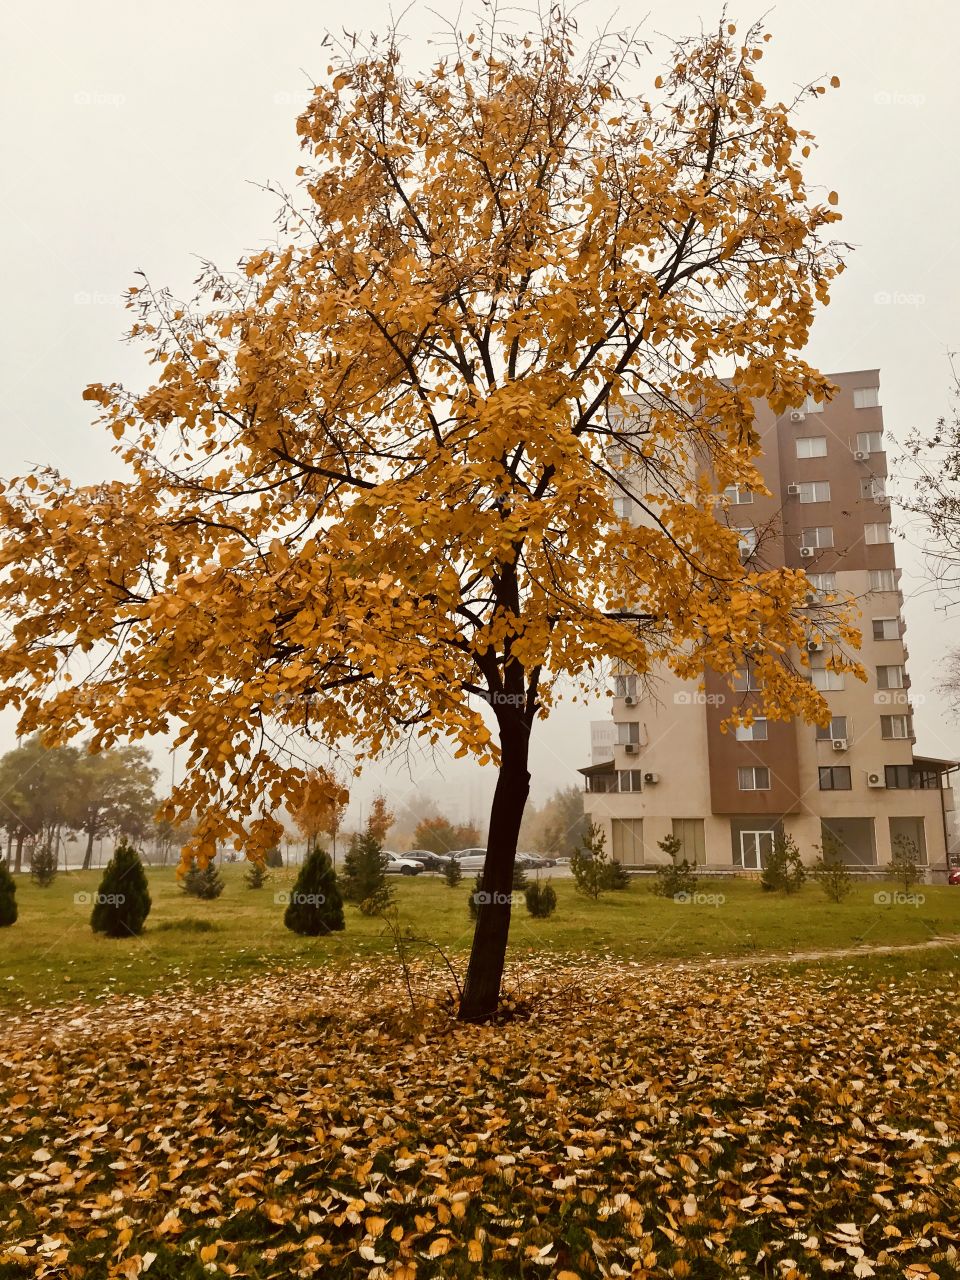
{"x": 134, "y": 137}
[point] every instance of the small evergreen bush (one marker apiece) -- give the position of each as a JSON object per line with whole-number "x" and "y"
{"x": 43, "y": 865}
{"x": 678, "y": 877}
{"x": 830, "y": 871}
{"x": 616, "y": 876}
{"x": 472, "y": 900}
{"x": 589, "y": 863}
{"x": 541, "y": 898}
{"x": 315, "y": 905}
{"x": 364, "y": 880}
{"x": 453, "y": 872}
{"x": 122, "y": 902}
{"x": 8, "y": 897}
{"x": 784, "y": 872}
{"x": 256, "y": 875}
{"x": 202, "y": 882}
{"x": 905, "y": 863}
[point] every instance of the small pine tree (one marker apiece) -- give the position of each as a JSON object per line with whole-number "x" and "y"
{"x": 784, "y": 872}
{"x": 202, "y": 882}
{"x": 616, "y": 876}
{"x": 43, "y": 865}
{"x": 589, "y": 863}
{"x": 541, "y": 898}
{"x": 678, "y": 876}
{"x": 905, "y": 863}
{"x": 122, "y": 903}
{"x": 830, "y": 872}
{"x": 273, "y": 858}
{"x": 473, "y": 902}
{"x": 8, "y": 897}
{"x": 520, "y": 880}
{"x": 364, "y": 881}
{"x": 453, "y": 872}
{"x": 315, "y": 906}
{"x": 256, "y": 875}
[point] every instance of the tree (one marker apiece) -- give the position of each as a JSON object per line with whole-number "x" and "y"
{"x": 452, "y": 872}
{"x": 905, "y": 863}
{"x": 43, "y": 864}
{"x": 540, "y": 898}
{"x": 830, "y": 871}
{"x": 111, "y": 793}
{"x": 589, "y": 863}
{"x": 364, "y": 881}
{"x": 122, "y": 902}
{"x": 322, "y": 804}
{"x": 439, "y": 835}
{"x": 256, "y": 875}
{"x": 315, "y": 906}
{"x": 678, "y": 877}
{"x": 559, "y": 825}
{"x": 200, "y": 881}
{"x": 8, "y": 897}
{"x": 35, "y": 782}
{"x": 378, "y": 484}
{"x": 784, "y": 871}
{"x": 379, "y": 820}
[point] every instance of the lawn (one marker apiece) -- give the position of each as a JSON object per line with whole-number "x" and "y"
{"x": 51, "y": 955}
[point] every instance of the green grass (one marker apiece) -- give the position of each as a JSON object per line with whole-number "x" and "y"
{"x": 51, "y": 954}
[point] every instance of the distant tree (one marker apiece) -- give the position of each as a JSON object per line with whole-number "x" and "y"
{"x": 202, "y": 882}
{"x": 379, "y": 820}
{"x": 8, "y": 897}
{"x": 438, "y": 835}
{"x": 111, "y": 793}
{"x": 784, "y": 871}
{"x": 562, "y": 822}
{"x": 123, "y": 899}
{"x": 256, "y": 875}
{"x": 43, "y": 864}
{"x": 315, "y": 906}
{"x": 905, "y": 863}
{"x": 35, "y": 782}
{"x": 273, "y": 858}
{"x": 323, "y": 802}
{"x": 452, "y": 871}
{"x": 830, "y": 872}
{"x": 364, "y": 881}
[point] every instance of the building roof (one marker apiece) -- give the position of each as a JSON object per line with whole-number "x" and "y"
{"x": 605, "y": 766}
{"x": 936, "y": 762}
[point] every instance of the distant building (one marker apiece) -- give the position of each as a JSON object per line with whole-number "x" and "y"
{"x": 725, "y": 794}
{"x": 603, "y": 737}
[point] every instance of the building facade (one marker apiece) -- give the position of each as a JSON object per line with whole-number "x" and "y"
{"x": 672, "y": 769}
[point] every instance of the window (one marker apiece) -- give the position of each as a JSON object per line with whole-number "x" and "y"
{"x": 815, "y": 491}
{"x": 894, "y": 727}
{"x": 753, "y": 778}
{"x": 748, "y": 541}
{"x": 898, "y": 776}
{"x": 745, "y": 679}
{"x": 866, "y": 398}
{"x": 630, "y": 780}
{"x": 825, "y": 582}
{"x": 869, "y": 442}
{"x": 883, "y": 580}
{"x": 627, "y": 841}
{"x": 837, "y": 728}
{"x": 602, "y": 782}
{"x": 615, "y": 458}
{"x": 835, "y": 778}
{"x": 812, "y": 447}
{"x": 925, "y": 779}
{"x": 627, "y": 731}
{"x": 624, "y": 686}
{"x": 811, "y": 406}
{"x": 756, "y": 732}
{"x": 689, "y": 831}
{"x": 821, "y": 536}
{"x": 890, "y": 677}
{"x": 623, "y": 507}
{"x": 873, "y": 534}
{"x": 873, "y": 487}
{"x": 886, "y": 628}
{"x": 736, "y": 496}
{"x": 825, "y": 680}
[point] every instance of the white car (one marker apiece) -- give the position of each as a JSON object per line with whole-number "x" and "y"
{"x": 395, "y": 865}
{"x": 470, "y": 859}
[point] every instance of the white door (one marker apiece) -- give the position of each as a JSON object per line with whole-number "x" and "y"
{"x": 754, "y": 847}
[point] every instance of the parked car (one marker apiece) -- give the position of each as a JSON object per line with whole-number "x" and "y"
{"x": 470, "y": 859}
{"x": 396, "y": 865}
{"x": 953, "y": 876}
{"x": 535, "y": 861}
{"x": 430, "y": 861}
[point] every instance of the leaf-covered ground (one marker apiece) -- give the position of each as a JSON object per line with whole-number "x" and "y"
{"x": 621, "y": 1121}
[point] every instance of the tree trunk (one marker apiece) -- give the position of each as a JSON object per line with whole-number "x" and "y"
{"x": 481, "y": 989}
{"x": 21, "y": 836}
{"x": 88, "y": 852}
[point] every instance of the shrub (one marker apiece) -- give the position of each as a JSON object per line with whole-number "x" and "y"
{"x": 273, "y": 858}
{"x": 316, "y": 905}
{"x": 453, "y": 872}
{"x": 8, "y": 897}
{"x": 364, "y": 881}
{"x": 472, "y": 903}
{"x": 202, "y": 882}
{"x": 520, "y": 880}
{"x": 123, "y": 898}
{"x": 784, "y": 872}
{"x": 589, "y": 863}
{"x": 676, "y": 877}
{"x": 830, "y": 872}
{"x": 256, "y": 875}
{"x": 905, "y": 863}
{"x": 541, "y": 898}
{"x": 43, "y": 865}
{"x": 615, "y": 876}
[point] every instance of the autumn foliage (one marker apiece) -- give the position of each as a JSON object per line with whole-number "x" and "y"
{"x": 371, "y": 490}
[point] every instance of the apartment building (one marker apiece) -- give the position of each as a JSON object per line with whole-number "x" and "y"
{"x": 671, "y": 770}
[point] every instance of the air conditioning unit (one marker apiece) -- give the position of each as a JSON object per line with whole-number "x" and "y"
{"x": 838, "y": 744}
{"x": 629, "y": 701}
{"x": 882, "y": 500}
{"x": 814, "y": 646}
{"x": 875, "y": 780}
{"x": 793, "y": 490}
{"x": 806, "y": 553}
{"x": 631, "y": 748}
{"x": 797, "y": 415}
{"x": 651, "y": 778}
{"x": 861, "y": 455}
